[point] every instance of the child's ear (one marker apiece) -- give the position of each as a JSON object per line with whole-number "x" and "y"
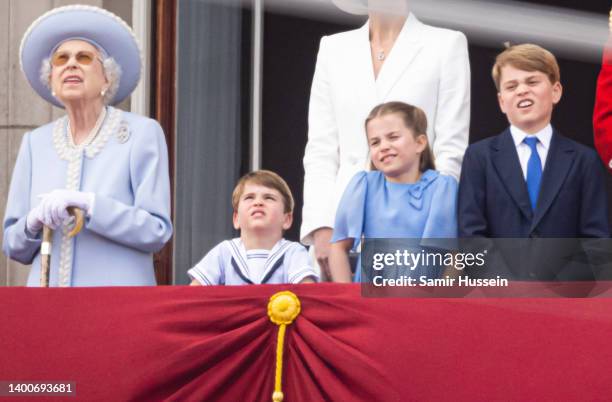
{"x": 421, "y": 141}
{"x": 500, "y": 100}
{"x": 235, "y": 221}
{"x": 288, "y": 220}
{"x": 557, "y": 92}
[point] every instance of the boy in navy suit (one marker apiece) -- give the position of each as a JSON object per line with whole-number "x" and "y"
{"x": 530, "y": 181}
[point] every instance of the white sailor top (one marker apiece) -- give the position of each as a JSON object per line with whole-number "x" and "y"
{"x": 125, "y": 164}
{"x": 227, "y": 264}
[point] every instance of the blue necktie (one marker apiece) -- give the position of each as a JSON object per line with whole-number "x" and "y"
{"x": 534, "y": 171}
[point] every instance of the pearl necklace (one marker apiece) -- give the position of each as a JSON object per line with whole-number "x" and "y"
{"x": 92, "y": 134}
{"x": 381, "y": 55}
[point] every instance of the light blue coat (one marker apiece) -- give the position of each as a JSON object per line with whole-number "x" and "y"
{"x": 126, "y": 167}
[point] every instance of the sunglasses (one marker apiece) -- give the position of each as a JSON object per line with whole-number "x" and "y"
{"x": 83, "y": 57}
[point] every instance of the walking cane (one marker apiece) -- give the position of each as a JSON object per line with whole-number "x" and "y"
{"x": 46, "y": 246}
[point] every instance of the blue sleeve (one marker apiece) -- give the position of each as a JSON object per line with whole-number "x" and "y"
{"x": 351, "y": 209}
{"x": 146, "y": 225}
{"x": 209, "y": 271}
{"x": 299, "y": 265}
{"x": 442, "y": 219}
{"x": 16, "y": 242}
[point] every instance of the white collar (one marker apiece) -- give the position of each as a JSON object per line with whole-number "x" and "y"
{"x": 238, "y": 252}
{"x": 92, "y": 134}
{"x": 544, "y": 135}
{"x": 93, "y": 145}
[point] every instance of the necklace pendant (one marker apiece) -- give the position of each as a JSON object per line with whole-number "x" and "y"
{"x": 381, "y": 55}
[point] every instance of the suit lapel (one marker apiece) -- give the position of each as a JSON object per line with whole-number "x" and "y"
{"x": 506, "y": 163}
{"x": 558, "y": 163}
{"x": 405, "y": 49}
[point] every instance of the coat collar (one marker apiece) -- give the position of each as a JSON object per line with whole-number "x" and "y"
{"x": 506, "y": 162}
{"x": 406, "y": 47}
{"x": 416, "y": 190}
{"x": 68, "y": 151}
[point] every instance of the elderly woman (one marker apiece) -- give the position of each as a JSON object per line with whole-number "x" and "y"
{"x": 111, "y": 164}
{"x": 393, "y": 57}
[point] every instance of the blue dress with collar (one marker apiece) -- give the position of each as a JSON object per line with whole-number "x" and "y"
{"x": 374, "y": 207}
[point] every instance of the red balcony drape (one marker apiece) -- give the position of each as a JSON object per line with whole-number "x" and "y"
{"x": 217, "y": 343}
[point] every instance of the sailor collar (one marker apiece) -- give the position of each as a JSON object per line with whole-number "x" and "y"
{"x": 274, "y": 261}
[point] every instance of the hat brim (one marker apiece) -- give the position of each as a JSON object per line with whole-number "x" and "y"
{"x": 81, "y": 22}
{"x": 358, "y": 7}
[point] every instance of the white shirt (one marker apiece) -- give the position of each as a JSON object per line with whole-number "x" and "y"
{"x": 524, "y": 152}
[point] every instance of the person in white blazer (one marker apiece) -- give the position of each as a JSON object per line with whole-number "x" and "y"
{"x": 393, "y": 57}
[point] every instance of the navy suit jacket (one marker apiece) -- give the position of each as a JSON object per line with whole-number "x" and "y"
{"x": 493, "y": 199}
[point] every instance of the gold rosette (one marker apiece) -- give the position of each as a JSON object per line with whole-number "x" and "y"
{"x": 283, "y": 308}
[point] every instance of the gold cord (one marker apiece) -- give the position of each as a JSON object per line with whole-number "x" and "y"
{"x": 283, "y": 308}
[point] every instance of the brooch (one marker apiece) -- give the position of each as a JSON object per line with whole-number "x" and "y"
{"x": 123, "y": 133}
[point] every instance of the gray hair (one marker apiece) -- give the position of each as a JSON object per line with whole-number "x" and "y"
{"x": 111, "y": 69}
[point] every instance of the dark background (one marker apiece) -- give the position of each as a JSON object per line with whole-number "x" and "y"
{"x": 290, "y": 48}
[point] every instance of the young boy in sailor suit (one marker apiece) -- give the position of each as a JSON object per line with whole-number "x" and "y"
{"x": 263, "y": 209}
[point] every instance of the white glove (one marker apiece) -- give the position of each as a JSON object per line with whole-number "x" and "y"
{"x": 34, "y": 220}
{"x": 54, "y": 205}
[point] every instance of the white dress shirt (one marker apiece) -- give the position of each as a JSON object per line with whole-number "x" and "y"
{"x": 524, "y": 152}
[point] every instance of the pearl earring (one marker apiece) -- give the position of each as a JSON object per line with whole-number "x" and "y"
{"x": 53, "y": 93}
{"x": 103, "y": 92}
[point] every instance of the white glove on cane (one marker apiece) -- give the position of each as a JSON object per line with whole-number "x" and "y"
{"x": 52, "y": 209}
{"x": 34, "y": 220}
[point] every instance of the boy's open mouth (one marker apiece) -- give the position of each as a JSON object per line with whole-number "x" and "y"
{"x": 525, "y": 103}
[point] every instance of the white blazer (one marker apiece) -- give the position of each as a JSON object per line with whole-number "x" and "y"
{"x": 428, "y": 67}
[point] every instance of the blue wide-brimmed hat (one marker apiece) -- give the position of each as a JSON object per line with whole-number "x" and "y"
{"x": 92, "y": 24}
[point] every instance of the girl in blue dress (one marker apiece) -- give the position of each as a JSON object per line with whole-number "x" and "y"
{"x": 402, "y": 197}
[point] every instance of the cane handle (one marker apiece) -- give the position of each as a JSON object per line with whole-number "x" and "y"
{"x": 79, "y": 218}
